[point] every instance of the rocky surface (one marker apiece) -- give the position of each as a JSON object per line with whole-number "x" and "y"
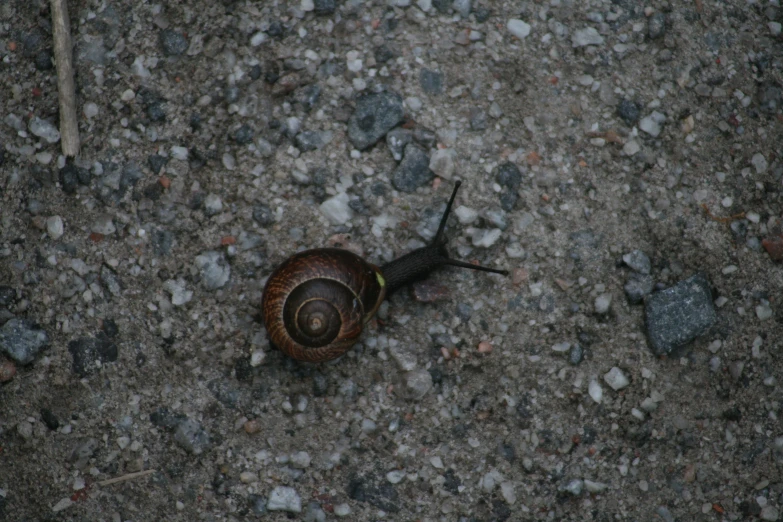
{"x": 620, "y": 159}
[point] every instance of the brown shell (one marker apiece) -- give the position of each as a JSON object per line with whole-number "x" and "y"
{"x": 361, "y": 286}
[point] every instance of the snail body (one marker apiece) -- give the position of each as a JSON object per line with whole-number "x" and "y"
{"x": 316, "y": 302}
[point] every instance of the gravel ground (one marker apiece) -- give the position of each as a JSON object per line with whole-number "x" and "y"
{"x": 621, "y": 160}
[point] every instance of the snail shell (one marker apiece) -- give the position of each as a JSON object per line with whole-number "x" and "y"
{"x": 316, "y": 303}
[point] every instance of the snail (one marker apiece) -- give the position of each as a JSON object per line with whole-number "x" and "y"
{"x": 317, "y": 301}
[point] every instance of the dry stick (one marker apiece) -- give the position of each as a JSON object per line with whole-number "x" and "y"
{"x": 63, "y": 57}
{"x": 129, "y": 476}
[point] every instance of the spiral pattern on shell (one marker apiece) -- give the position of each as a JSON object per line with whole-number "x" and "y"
{"x": 316, "y": 303}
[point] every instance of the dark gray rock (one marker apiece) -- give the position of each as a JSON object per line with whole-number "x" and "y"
{"x": 676, "y": 316}
{"x": 637, "y": 287}
{"x": 22, "y": 340}
{"x": 397, "y": 139}
{"x": 243, "y": 135}
{"x": 656, "y": 26}
{"x": 172, "y": 42}
{"x": 629, "y": 111}
{"x": 375, "y": 115}
{"x": 478, "y": 119}
{"x": 509, "y": 177}
{"x": 325, "y": 7}
{"x": 7, "y": 295}
{"x": 90, "y": 353}
{"x": 384, "y": 53}
{"x": 263, "y": 215}
{"x": 156, "y": 163}
{"x": 431, "y": 81}
{"x": 413, "y": 171}
{"x": 375, "y": 491}
{"x": 576, "y": 354}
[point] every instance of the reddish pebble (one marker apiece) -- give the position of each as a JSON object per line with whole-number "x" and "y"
{"x": 96, "y": 237}
{"x": 774, "y": 247}
{"x": 485, "y": 347}
{"x": 519, "y": 276}
{"x": 37, "y": 92}
{"x": 252, "y": 426}
{"x": 533, "y": 158}
{"x": 7, "y": 370}
{"x": 228, "y": 240}
{"x": 429, "y": 292}
{"x": 164, "y": 181}
{"x": 12, "y": 46}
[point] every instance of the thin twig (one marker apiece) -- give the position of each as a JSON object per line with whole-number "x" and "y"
{"x": 129, "y": 476}
{"x": 63, "y": 58}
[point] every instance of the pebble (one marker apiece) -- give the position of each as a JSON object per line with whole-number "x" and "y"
{"x": 418, "y": 383}
{"x": 629, "y": 111}
{"x": 443, "y": 162}
{"x": 466, "y": 215}
{"x": 759, "y": 162}
{"x": 638, "y": 260}
{"x": 283, "y": 498}
{"x": 43, "y": 129}
{"x": 212, "y": 204}
{"x": 104, "y": 225}
{"x": 763, "y": 312}
{"x": 576, "y": 354}
{"x": 191, "y": 436}
{"x": 652, "y": 124}
{"x": 180, "y": 295}
{"x": 375, "y": 115}
{"x": 342, "y": 510}
{"x": 769, "y": 513}
{"x": 485, "y": 238}
{"x": 677, "y": 315}
{"x": 478, "y": 119}
{"x": 395, "y": 476}
{"x": 594, "y": 487}
{"x": 337, "y": 209}
{"x": 616, "y": 379}
{"x": 573, "y": 487}
{"x": 413, "y": 171}
{"x": 397, "y": 139}
{"x": 403, "y": 356}
{"x": 215, "y": 270}
{"x": 22, "y": 340}
{"x": 508, "y": 493}
{"x": 595, "y": 391}
{"x": 518, "y": 28}
{"x": 509, "y": 178}
{"x": 54, "y": 227}
{"x": 603, "y": 303}
{"x": 179, "y": 152}
{"x": 586, "y": 36}
{"x": 300, "y": 460}
{"x": 64, "y": 503}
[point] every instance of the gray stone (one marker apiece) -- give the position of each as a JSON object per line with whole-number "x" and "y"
{"x": 587, "y": 36}
{"x": 375, "y": 115}
{"x": 191, "y": 436}
{"x": 283, "y": 498}
{"x": 414, "y": 170}
{"x": 676, "y": 316}
{"x": 418, "y": 383}
{"x": 214, "y": 269}
{"x": 22, "y": 340}
{"x": 637, "y": 287}
{"x": 656, "y": 26}
{"x": 172, "y": 42}
{"x": 431, "y": 81}
{"x": 397, "y": 139}
{"x": 638, "y": 260}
